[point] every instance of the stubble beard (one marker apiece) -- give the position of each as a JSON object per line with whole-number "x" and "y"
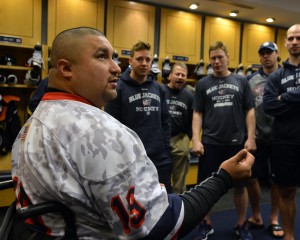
{"x": 109, "y": 95}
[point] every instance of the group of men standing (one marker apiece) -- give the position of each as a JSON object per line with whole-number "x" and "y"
{"x": 160, "y": 114}
{"x": 162, "y": 117}
{"x": 226, "y": 113}
{"x": 232, "y": 112}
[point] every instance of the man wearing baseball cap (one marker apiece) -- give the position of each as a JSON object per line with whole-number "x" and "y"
{"x": 268, "y": 45}
{"x": 269, "y": 58}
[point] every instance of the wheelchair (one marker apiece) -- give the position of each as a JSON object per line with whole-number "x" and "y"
{"x": 12, "y": 214}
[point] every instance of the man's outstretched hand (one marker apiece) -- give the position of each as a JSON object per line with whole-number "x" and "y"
{"x": 239, "y": 166}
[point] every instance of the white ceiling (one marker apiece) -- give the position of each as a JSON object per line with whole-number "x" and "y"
{"x": 286, "y": 12}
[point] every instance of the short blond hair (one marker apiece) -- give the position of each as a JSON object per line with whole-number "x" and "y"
{"x": 218, "y": 45}
{"x": 139, "y": 46}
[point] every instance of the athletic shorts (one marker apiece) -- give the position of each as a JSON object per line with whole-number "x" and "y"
{"x": 213, "y": 156}
{"x": 261, "y": 167}
{"x": 285, "y": 164}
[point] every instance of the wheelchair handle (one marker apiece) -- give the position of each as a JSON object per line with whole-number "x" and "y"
{"x": 48, "y": 207}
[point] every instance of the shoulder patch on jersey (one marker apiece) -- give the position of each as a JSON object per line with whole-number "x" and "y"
{"x": 24, "y": 134}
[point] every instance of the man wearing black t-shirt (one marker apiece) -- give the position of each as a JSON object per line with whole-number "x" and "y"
{"x": 224, "y": 111}
{"x": 180, "y": 101}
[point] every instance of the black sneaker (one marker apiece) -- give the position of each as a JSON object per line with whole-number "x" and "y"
{"x": 242, "y": 232}
{"x": 203, "y": 231}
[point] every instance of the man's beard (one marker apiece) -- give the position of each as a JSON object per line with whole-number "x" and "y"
{"x": 294, "y": 54}
{"x": 109, "y": 96}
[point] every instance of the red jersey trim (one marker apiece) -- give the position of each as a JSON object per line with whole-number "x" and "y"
{"x": 64, "y": 96}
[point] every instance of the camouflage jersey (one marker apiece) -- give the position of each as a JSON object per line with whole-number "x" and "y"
{"x": 74, "y": 153}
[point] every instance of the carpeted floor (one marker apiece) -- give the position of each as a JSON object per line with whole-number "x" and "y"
{"x": 225, "y": 219}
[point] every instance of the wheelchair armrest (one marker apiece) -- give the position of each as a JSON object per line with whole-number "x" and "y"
{"x": 5, "y": 175}
{"x": 40, "y": 209}
{"x": 6, "y": 184}
{"x": 50, "y": 207}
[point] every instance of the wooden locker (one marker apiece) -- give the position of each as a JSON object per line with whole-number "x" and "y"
{"x": 128, "y": 23}
{"x": 22, "y": 19}
{"x": 254, "y": 35}
{"x": 180, "y": 36}
{"x": 227, "y": 31}
{"x": 281, "y": 35}
{"x": 64, "y": 14}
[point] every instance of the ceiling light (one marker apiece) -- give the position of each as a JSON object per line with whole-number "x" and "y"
{"x": 270, "y": 20}
{"x": 233, "y": 13}
{"x": 194, "y": 5}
